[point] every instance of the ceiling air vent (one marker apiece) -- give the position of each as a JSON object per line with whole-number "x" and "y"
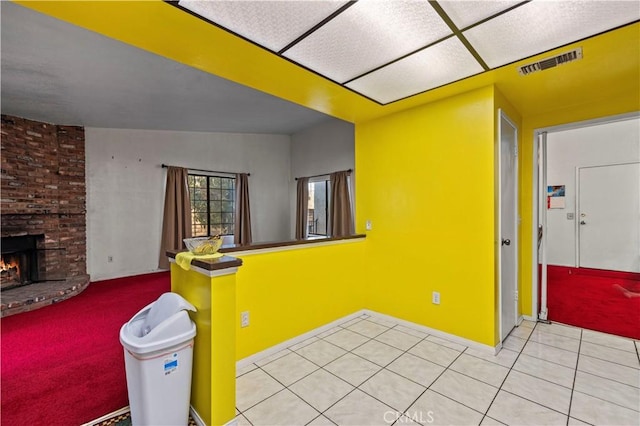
{"x": 547, "y": 63}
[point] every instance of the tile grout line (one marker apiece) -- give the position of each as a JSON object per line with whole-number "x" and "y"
{"x": 383, "y": 368}
{"x": 388, "y": 327}
{"x": 576, "y": 352}
{"x": 573, "y": 385}
{"x": 421, "y": 339}
{"x": 259, "y": 367}
{"x": 509, "y": 372}
{"x": 434, "y": 380}
{"x": 568, "y": 414}
{"x": 575, "y": 374}
{"x": 330, "y": 372}
{"x": 582, "y": 339}
{"x": 589, "y": 356}
{"x": 285, "y": 387}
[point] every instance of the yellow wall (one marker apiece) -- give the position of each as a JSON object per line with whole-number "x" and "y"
{"x": 424, "y": 175}
{"x": 627, "y": 102}
{"x": 426, "y": 181}
{"x": 292, "y": 292}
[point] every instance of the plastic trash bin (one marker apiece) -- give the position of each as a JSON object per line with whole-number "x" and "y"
{"x": 158, "y": 355}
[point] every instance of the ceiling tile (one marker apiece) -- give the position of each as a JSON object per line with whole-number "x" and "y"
{"x": 272, "y": 24}
{"x": 367, "y": 35}
{"x": 435, "y": 66}
{"x": 539, "y": 26}
{"x": 465, "y": 13}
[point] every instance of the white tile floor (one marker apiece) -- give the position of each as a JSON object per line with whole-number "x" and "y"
{"x": 369, "y": 371}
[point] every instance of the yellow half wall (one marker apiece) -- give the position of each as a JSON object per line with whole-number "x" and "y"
{"x": 291, "y": 292}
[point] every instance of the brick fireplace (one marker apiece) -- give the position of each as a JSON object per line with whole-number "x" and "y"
{"x": 42, "y": 213}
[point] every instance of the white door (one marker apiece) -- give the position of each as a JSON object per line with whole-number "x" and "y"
{"x": 609, "y": 217}
{"x": 508, "y": 219}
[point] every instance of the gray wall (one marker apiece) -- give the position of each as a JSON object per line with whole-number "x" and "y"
{"x": 125, "y": 189}
{"x": 321, "y": 149}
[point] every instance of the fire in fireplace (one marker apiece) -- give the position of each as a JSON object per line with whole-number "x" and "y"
{"x": 24, "y": 260}
{"x": 10, "y": 275}
{"x": 19, "y": 261}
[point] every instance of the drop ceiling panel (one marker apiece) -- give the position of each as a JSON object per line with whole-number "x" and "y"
{"x": 435, "y": 66}
{"x": 272, "y": 24}
{"x": 396, "y": 44}
{"x": 539, "y": 26}
{"x": 465, "y": 13}
{"x": 367, "y": 35}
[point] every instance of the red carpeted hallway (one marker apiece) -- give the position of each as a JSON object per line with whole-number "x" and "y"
{"x": 604, "y": 301}
{"x": 64, "y": 364}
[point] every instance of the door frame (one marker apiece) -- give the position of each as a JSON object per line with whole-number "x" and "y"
{"x": 539, "y": 213}
{"x": 514, "y": 240}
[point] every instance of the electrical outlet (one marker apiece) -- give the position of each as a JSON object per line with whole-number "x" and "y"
{"x": 244, "y": 319}
{"x": 435, "y": 298}
{"x": 368, "y": 226}
{"x": 109, "y": 259}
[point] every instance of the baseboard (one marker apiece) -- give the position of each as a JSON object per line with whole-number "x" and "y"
{"x": 107, "y": 416}
{"x": 141, "y": 275}
{"x": 435, "y": 332}
{"x": 196, "y": 417}
{"x": 526, "y": 318}
{"x": 294, "y": 341}
{"x": 428, "y": 330}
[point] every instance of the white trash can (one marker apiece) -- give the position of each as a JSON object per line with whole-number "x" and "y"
{"x": 158, "y": 355}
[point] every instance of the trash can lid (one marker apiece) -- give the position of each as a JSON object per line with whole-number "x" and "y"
{"x": 176, "y": 330}
{"x": 163, "y": 308}
{"x": 159, "y": 325}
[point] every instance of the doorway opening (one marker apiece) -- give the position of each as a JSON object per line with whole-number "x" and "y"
{"x": 586, "y": 231}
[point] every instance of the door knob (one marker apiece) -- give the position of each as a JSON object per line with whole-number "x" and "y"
{"x": 506, "y": 242}
{"x": 582, "y": 222}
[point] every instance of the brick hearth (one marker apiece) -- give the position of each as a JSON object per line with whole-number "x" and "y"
{"x": 43, "y": 192}
{"x": 34, "y": 296}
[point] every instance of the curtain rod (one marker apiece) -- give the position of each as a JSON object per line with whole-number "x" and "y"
{"x": 164, "y": 166}
{"x": 324, "y": 174}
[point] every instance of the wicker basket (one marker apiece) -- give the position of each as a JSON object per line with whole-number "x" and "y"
{"x": 213, "y": 245}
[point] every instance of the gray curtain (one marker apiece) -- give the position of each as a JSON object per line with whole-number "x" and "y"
{"x": 242, "y": 231}
{"x": 176, "y": 223}
{"x": 302, "y": 208}
{"x": 340, "y": 217}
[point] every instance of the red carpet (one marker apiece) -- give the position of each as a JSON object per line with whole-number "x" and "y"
{"x": 593, "y": 299}
{"x": 64, "y": 364}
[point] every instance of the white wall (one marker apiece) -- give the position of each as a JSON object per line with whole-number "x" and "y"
{"x": 125, "y": 189}
{"x": 610, "y": 143}
{"x": 322, "y": 149}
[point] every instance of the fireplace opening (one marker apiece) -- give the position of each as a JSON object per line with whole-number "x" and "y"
{"x": 10, "y": 274}
{"x": 19, "y": 261}
{"x": 23, "y": 262}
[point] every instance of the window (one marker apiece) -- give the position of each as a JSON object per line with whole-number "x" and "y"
{"x": 213, "y": 201}
{"x": 318, "y": 216}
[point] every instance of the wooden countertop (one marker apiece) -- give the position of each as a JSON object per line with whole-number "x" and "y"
{"x": 223, "y": 262}
{"x": 230, "y": 248}
{"x": 233, "y": 262}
